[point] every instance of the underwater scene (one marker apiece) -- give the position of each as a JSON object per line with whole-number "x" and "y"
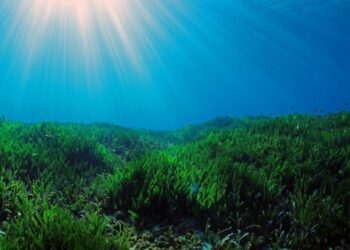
{"x": 173, "y": 124}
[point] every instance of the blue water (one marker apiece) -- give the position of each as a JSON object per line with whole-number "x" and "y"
{"x": 164, "y": 64}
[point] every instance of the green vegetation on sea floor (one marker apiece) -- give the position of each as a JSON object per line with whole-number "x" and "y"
{"x": 248, "y": 183}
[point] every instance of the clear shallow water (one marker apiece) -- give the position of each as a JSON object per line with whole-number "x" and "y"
{"x": 164, "y": 64}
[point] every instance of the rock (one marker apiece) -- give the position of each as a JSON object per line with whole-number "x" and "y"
{"x": 168, "y": 237}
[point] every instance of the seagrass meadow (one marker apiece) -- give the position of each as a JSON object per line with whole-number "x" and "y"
{"x": 248, "y": 183}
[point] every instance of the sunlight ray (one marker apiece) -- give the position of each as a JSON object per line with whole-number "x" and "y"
{"x": 88, "y": 26}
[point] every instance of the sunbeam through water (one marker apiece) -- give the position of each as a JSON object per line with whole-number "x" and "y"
{"x": 163, "y": 64}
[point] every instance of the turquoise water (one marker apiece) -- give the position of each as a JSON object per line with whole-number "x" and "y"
{"x": 163, "y": 64}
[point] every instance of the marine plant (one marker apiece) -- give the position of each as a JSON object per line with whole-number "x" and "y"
{"x": 250, "y": 183}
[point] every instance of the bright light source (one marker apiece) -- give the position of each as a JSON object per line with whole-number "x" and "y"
{"x": 88, "y": 28}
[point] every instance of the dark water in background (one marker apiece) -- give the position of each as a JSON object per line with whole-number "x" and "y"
{"x": 163, "y": 64}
